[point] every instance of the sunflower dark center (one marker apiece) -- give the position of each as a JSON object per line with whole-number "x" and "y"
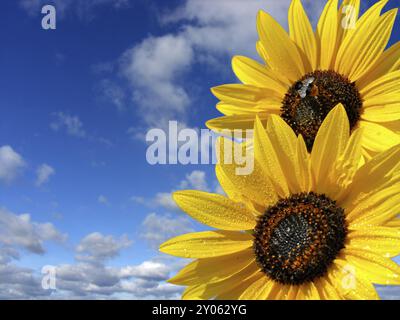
{"x": 297, "y": 239}
{"x": 309, "y": 100}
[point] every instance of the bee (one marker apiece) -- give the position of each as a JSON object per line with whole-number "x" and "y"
{"x": 307, "y": 103}
{"x": 306, "y": 88}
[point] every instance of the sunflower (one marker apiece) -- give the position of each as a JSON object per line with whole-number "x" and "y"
{"x": 301, "y": 225}
{"x": 307, "y": 73}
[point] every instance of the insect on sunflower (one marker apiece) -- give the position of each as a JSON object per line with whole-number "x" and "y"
{"x": 300, "y": 226}
{"x": 305, "y": 74}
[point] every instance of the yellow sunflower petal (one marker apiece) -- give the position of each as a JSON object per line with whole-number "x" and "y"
{"x": 283, "y": 55}
{"x": 387, "y": 84}
{"x": 348, "y": 15}
{"x": 395, "y": 223}
{"x": 256, "y": 186}
{"x": 284, "y": 141}
{"x": 226, "y": 184}
{"x": 374, "y": 45}
{"x": 243, "y": 94}
{"x": 388, "y": 62}
{"x": 263, "y": 53}
{"x": 207, "y": 244}
{"x": 281, "y": 292}
{"x": 385, "y": 113}
{"x": 378, "y": 138}
{"x": 329, "y": 144}
{"x": 292, "y": 293}
{"x": 259, "y": 290}
{"x": 349, "y": 283}
{"x": 301, "y": 32}
{"x": 308, "y": 291}
{"x": 215, "y": 210}
{"x": 192, "y": 292}
{"x": 278, "y": 76}
{"x": 204, "y": 270}
{"x": 266, "y": 105}
{"x": 382, "y": 240}
{"x": 376, "y": 208}
{"x": 349, "y": 162}
{"x": 241, "y": 121}
{"x": 362, "y": 48}
{"x": 369, "y": 18}
{"x": 326, "y": 290}
{"x": 236, "y": 291}
{"x": 374, "y": 267}
{"x": 211, "y": 290}
{"x": 266, "y": 156}
{"x": 326, "y": 34}
{"x": 376, "y": 174}
{"x": 387, "y": 99}
{"x": 304, "y": 165}
{"x": 253, "y": 73}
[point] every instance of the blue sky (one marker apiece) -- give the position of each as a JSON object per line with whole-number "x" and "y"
{"x": 76, "y": 191}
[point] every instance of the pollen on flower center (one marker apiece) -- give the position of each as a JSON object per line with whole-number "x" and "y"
{"x": 297, "y": 239}
{"x": 309, "y": 100}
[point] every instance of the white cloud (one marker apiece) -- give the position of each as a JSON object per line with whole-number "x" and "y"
{"x": 112, "y": 92}
{"x": 19, "y": 231}
{"x": 20, "y": 283}
{"x": 158, "y": 228}
{"x": 164, "y": 199}
{"x": 92, "y": 281}
{"x": 389, "y": 292}
{"x": 90, "y": 277}
{"x": 161, "y": 199}
{"x": 11, "y": 164}
{"x": 159, "y": 290}
{"x": 216, "y": 27}
{"x": 154, "y": 68}
{"x": 96, "y": 247}
{"x": 208, "y": 33}
{"x": 143, "y": 281}
{"x": 71, "y": 124}
{"x": 102, "y": 199}
{"x": 43, "y": 174}
{"x": 230, "y": 26}
{"x": 147, "y": 270}
{"x": 195, "y": 180}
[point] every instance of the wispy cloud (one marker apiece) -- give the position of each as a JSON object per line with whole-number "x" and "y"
{"x": 71, "y": 124}
{"x": 113, "y": 93}
{"x": 158, "y": 228}
{"x": 96, "y": 247}
{"x": 196, "y": 179}
{"x": 153, "y": 69}
{"x": 102, "y": 199}
{"x": 19, "y": 231}
{"x": 11, "y": 164}
{"x": 43, "y": 174}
